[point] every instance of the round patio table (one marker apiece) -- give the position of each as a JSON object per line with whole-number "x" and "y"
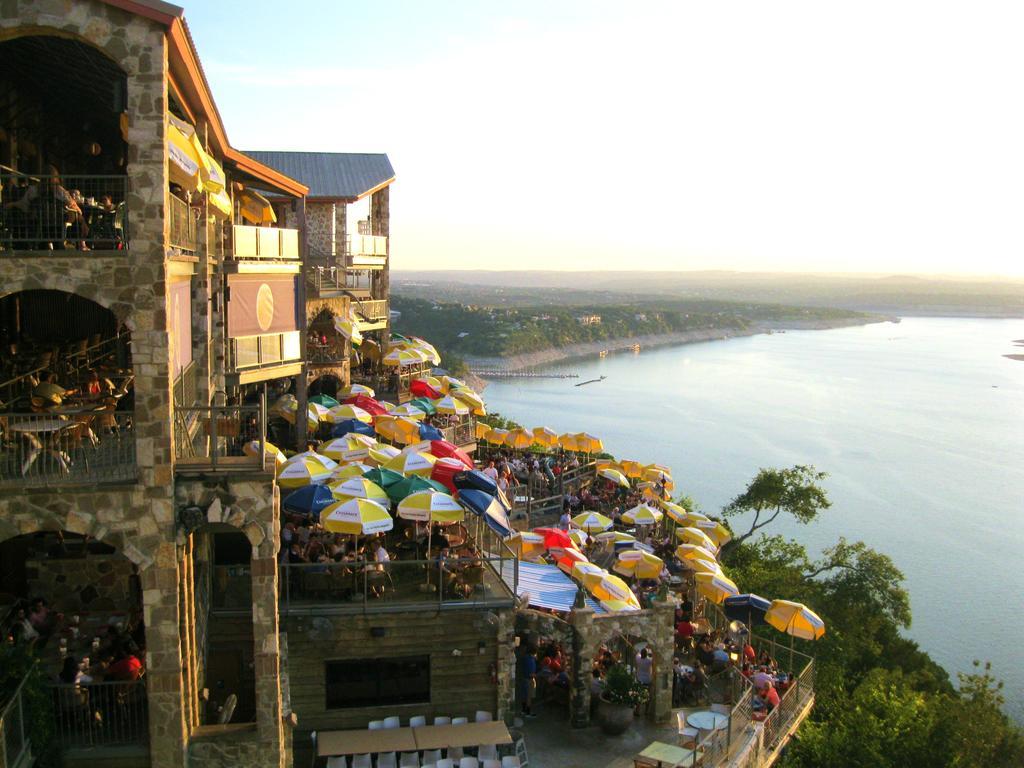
{"x": 706, "y": 720}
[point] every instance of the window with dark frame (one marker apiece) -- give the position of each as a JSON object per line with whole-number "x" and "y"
{"x": 377, "y": 682}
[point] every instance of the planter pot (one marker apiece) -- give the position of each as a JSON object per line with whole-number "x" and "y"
{"x": 614, "y": 719}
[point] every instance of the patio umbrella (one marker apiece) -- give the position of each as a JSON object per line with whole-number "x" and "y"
{"x": 472, "y": 399}
{"x": 674, "y": 512}
{"x": 579, "y": 537}
{"x": 310, "y": 500}
{"x": 587, "y": 573}
{"x": 614, "y": 537}
{"x": 636, "y": 562}
{"x": 427, "y": 347}
{"x": 694, "y": 552}
{"x": 360, "y": 488}
{"x": 409, "y": 411}
{"x": 555, "y": 538}
{"x": 305, "y": 471}
{"x": 450, "y": 382}
{"x": 430, "y": 506}
{"x": 611, "y": 587}
{"x": 424, "y": 404}
{"x": 349, "y": 328}
{"x": 427, "y": 432}
{"x": 696, "y": 536}
{"x": 344, "y": 412}
{"x": 701, "y": 565}
{"x": 443, "y": 449}
{"x": 614, "y": 476}
{"x": 632, "y": 469}
{"x": 569, "y": 558}
{"x": 325, "y": 400}
{"x": 385, "y": 478}
{"x": 519, "y": 438}
{"x": 397, "y": 428}
{"x": 592, "y": 521}
{"x": 714, "y": 530}
{"x": 345, "y": 471}
{"x": 715, "y": 587}
{"x": 381, "y": 454}
{"x": 619, "y": 606}
{"x": 356, "y": 517}
{"x": 184, "y": 163}
{"x": 314, "y": 413}
{"x": 252, "y": 448}
{"x": 795, "y": 619}
{"x": 544, "y": 437}
{"x": 352, "y": 426}
{"x": 255, "y": 208}
{"x": 413, "y": 484}
{"x": 748, "y": 608}
{"x": 402, "y": 357}
{"x": 352, "y": 390}
{"x": 284, "y": 403}
{"x": 369, "y": 404}
{"x": 588, "y": 443}
{"x": 496, "y": 436}
{"x": 445, "y": 470}
{"x": 527, "y": 545}
{"x": 351, "y": 447}
{"x": 412, "y": 463}
{"x": 474, "y": 478}
{"x": 426, "y": 387}
{"x": 642, "y": 514}
{"x": 489, "y": 508}
{"x": 568, "y": 442}
{"x": 451, "y": 406}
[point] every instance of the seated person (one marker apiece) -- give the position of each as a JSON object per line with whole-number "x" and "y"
{"x": 125, "y": 667}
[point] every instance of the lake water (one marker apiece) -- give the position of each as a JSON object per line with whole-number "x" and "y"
{"x": 920, "y": 426}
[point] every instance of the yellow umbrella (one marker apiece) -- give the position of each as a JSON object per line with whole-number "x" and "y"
{"x": 611, "y": 587}
{"x": 714, "y": 530}
{"x": 355, "y": 389}
{"x": 588, "y": 443}
{"x": 519, "y": 438}
{"x": 657, "y": 473}
{"x": 569, "y": 558}
{"x": 349, "y": 328}
{"x": 402, "y": 357}
{"x": 795, "y": 619}
{"x": 690, "y": 535}
{"x": 431, "y": 506}
{"x": 715, "y": 587}
{"x": 579, "y": 536}
{"x": 210, "y": 172}
{"x": 675, "y": 512}
{"x": 472, "y": 399}
{"x": 636, "y": 562}
{"x": 614, "y": 537}
{"x": 588, "y": 574}
{"x": 619, "y": 606}
{"x": 255, "y": 208}
{"x": 568, "y": 442}
{"x": 284, "y": 404}
{"x": 497, "y": 436}
{"x": 344, "y": 411}
{"x": 527, "y": 545}
{"x": 221, "y": 203}
{"x": 700, "y": 565}
{"x": 397, "y": 428}
{"x": 289, "y": 408}
{"x": 450, "y": 382}
{"x": 381, "y": 454}
{"x": 615, "y": 476}
{"x": 428, "y": 349}
{"x": 359, "y": 517}
{"x": 642, "y": 514}
{"x": 359, "y": 488}
{"x": 694, "y": 552}
{"x": 252, "y": 448}
{"x": 343, "y": 448}
{"x": 184, "y": 162}
{"x": 408, "y": 411}
{"x": 481, "y": 430}
{"x": 346, "y": 471}
{"x": 305, "y": 471}
{"x": 451, "y": 406}
{"x": 545, "y": 437}
{"x": 412, "y": 464}
{"x": 592, "y": 521}
{"x": 432, "y": 381}
{"x": 633, "y": 469}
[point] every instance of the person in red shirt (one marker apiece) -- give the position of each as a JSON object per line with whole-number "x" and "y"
{"x": 684, "y": 631}
{"x": 749, "y": 654}
{"x": 127, "y": 668}
{"x": 770, "y": 696}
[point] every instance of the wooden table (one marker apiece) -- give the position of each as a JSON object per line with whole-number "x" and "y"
{"x": 462, "y": 735}
{"x": 667, "y": 755}
{"x": 364, "y": 741}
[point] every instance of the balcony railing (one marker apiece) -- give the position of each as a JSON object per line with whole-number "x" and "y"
{"x": 15, "y": 746}
{"x": 186, "y": 387}
{"x": 261, "y": 351}
{"x": 461, "y": 434}
{"x": 183, "y": 225}
{"x": 66, "y": 447}
{"x": 332, "y": 352}
{"x": 101, "y": 714}
{"x": 249, "y": 242}
{"x": 58, "y": 214}
{"x": 366, "y": 251}
{"x": 371, "y": 309}
{"x": 217, "y": 437}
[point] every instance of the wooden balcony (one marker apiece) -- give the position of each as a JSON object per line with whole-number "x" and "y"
{"x": 264, "y": 243}
{"x": 366, "y": 251}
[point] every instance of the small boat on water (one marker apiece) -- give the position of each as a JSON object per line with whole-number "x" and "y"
{"x": 591, "y": 381}
{"x": 603, "y": 353}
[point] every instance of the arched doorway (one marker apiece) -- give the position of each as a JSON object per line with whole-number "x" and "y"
{"x": 67, "y": 399}
{"x": 328, "y": 384}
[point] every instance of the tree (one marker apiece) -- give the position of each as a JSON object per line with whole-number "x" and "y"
{"x": 794, "y": 491}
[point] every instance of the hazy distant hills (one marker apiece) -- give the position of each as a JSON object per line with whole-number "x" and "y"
{"x": 892, "y": 294}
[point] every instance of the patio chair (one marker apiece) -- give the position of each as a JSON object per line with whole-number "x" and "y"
{"x": 454, "y": 753}
{"x": 445, "y": 763}
{"x": 432, "y": 756}
{"x": 387, "y": 760}
{"x": 469, "y": 762}
{"x": 487, "y": 752}
{"x": 483, "y": 716}
{"x": 490, "y": 763}
{"x": 460, "y": 720}
{"x": 417, "y": 721}
{"x": 409, "y": 760}
{"x": 392, "y": 722}
{"x": 338, "y": 761}
{"x": 722, "y": 709}
{"x": 442, "y": 720}
{"x": 361, "y": 761}
{"x": 375, "y": 725}
{"x": 510, "y": 761}
{"x": 688, "y": 735}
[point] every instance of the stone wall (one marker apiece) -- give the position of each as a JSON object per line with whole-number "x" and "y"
{"x": 91, "y": 583}
{"x": 322, "y": 232}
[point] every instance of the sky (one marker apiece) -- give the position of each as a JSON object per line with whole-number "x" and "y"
{"x": 875, "y": 137}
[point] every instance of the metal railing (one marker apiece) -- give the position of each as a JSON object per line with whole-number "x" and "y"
{"x": 371, "y": 309}
{"x": 182, "y": 225}
{"x": 259, "y": 351}
{"x": 366, "y": 250}
{"x": 333, "y": 352}
{"x": 14, "y": 739}
{"x": 101, "y": 714}
{"x": 220, "y": 436}
{"x": 461, "y": 434}
{"x": 248, "y": 242}
{"x": 52, "y": 214}
{"x": 186, "y": 388}
{"x": 66, "y": 447}
{"x": 71, "y": 362}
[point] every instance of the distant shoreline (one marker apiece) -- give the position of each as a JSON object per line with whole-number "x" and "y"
{"x": 593, "y": 348}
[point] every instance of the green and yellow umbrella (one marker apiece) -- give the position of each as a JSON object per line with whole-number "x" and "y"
{"x": 519, "y": 438}
{"x": 359, "y": 488}
{"x": 449, "y": 383}
{"x": 642, "y": 514}
{"x": 381, "y": 454}
{"x": 608, "y": 473}
{"x": 346, "y": 411}
{"x": 409, "y": 411}
{"x": 795, "y": 619}
{"x": 638, "y": 563}
{"x": 592, "y": 522}
{"x": 403, "y": 357}
{"x": 412, "y": 464}
{"x": 355, "y": 389}
{"x": 349, "y": 328}
{"x": 345, "y": 471}
{"x": 715, "y": 586}
{"x": 356, "y": 517}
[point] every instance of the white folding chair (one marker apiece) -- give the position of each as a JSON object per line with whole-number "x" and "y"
{"x": 469, "y": 762}
{"x": 375, "y": 725}
{"x": 454, "y": 753}
{"x": 510, "y": 761}
{"x": 687, "y": 734}
{"x": 460, "y": 720}
{"x": 432, "y": 756}
{"x": 482, "y": 716}
{"x": 443, "y": 720}
{"x": 416, "y": 721}
{"x": 445, "y": 763}
{"x": 361, "y": 761}
{"x": 409, "y": 760}
{"x": 487, "y": 752}
{"x": 490, "y": 764}
{"x": 387, "y": 760}
{"x": 393, "y": 722}
{"x": 338, "y": 761}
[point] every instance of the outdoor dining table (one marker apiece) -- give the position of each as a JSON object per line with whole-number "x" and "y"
{"x": 40, "y": 426}
{"x": 663, "y": 755}
{"x": 461, "y": 735}
{"x": 363, "y": 741}
{"x": 706, "y": 720}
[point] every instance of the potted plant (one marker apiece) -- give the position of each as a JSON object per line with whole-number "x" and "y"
{"x": 621, "y": 698}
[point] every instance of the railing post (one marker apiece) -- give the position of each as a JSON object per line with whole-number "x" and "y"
{"x": 213, "y": 437}
{"x": 263, "y": 429}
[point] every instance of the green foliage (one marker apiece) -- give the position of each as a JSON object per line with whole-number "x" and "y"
{"x": 495, "y": 420}
{"x": 795, "y": 491}
{"x": 18, "y": 663}
{"x": 621, "y": 687}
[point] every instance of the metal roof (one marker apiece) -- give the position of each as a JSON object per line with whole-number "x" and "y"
{"x": 335, "y": 175}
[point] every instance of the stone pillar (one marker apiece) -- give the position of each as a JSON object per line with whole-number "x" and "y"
{"x": 505, "y": 663}
{"x": 582, "y": 621}
{"x": 380, "y": 218}
{"x": 662, "y": 640}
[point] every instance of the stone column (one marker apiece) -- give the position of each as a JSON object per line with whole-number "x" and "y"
{"x": 582, "y": 621}
{"x": 662, "y": 640}
{"x": 505, "y": 661}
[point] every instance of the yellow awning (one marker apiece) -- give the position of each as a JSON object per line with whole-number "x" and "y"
{"x": 183, "y": 159}
{"x": 210, "y": 172}
{"x": 255, "y": 208}
{"x": 220, "y": 202}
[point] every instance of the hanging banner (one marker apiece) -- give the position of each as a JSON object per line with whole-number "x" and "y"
{"x": 260, "y": 304}
{"x": 181, "y": 324}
